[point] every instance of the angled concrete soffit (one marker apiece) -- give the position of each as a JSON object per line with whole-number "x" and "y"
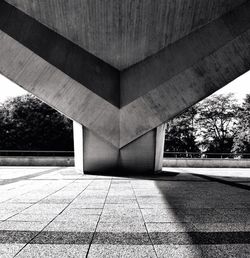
{"x": 121, "y": 106}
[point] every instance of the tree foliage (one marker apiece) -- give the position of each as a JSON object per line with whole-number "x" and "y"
{"x": 242, "y": 138}
{"x": 26, "y": 123}
{"x": 218, "y": 124}
{"x": 180, "y": 133}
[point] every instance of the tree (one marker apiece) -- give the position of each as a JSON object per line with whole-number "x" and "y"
{"x": 242, "y": 139}
{"x": 217, "y": 123}
{"x": 180, "y": 133}
{"x": 26, "y": 123}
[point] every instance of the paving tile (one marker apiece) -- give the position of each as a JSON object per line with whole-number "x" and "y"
{"x": 121, "y": 227}
{"x": 121, "y": 251}
{"x": 45, "y": 209}
{"x": 133, "y": 205}
{"x": 33, "y": 217}
{"x": 179, "y": 251}
{"x": 199, "y": 238}
{"x": 88, "y": 200}
{"x": 83, "y": 211}
{"x": 16, "y": 236}
{"x": 225, "y": 251}
{"x": 56, "y": 201}
{"x": 13, "y": 207}
{"x": 121, "y": 212}
{"x": 4, "y": 216}
{"x": 87, "y": 205}
{"x": 123, "y": 238}
{"x": 121, "y": 219}
{"x": 121, "y": 200}
{"x": 162, "y": 215}
{"x": 9, "y": 250}
{"x": 63, "y": 238}
{"x": 74, "y": 217}
{"x": 53, "y": 251}
{"x": 170, "y": 227}
{"x": 221, "y": 227}
{"x": 72, "y": 226}
{"x": 22, "y": 225}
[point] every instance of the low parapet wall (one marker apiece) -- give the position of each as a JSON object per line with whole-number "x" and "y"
{"x": 167, "y": 162}
{"x": 36, "y": 161}
{"x": 208, "y": 163}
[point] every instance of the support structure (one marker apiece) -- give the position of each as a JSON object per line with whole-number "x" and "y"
{"x": 78, "y": 146}
{"x": 122, "y": 74}
{"x": 93, "y": 154}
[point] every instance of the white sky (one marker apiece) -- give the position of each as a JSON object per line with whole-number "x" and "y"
{"x": 240, "y": 87}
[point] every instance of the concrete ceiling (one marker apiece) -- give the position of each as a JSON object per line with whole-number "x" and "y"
{"x": 124, "y": 32}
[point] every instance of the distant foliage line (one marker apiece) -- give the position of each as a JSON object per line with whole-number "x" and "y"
{"x": 218, "y": 124}
{"x": 26, "y": 123}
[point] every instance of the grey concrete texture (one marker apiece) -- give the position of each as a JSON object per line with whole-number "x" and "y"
{"x": 144, "y": 155}
{"x": 61, "y": 53}
{"x": 133, "y": 30}
{"x": 37, "y": 161}
{"x": 57, "y": 89}
{"x": 206, "y": 163}
{"x": 175, "y": 214}
{"x": 197, "y": 57}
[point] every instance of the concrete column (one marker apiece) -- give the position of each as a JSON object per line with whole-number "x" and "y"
{"x": 159, "y": 150}
{"x": 94, "y": 154}
{"x": 145, "y": 154}
{"x": 78, "y": 145}
{"x": 98, "y": 154}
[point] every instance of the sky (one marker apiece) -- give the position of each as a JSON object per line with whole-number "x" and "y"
{"x": 240, "y": 87}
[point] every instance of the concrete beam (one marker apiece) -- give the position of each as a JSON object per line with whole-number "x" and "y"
{"x": 85, "y": 68}
{"x": 150, "y": 92}
{"x": 57, "y": 89}
{"x": 164, "y": 85}
{"x": 124, "y": 33}
{"x": 156, "y": 70}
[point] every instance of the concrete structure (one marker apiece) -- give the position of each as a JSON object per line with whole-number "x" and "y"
{"x": 36, "y": 161}
{"x": 121, "y": 69}
{"x": 206, "y": 163}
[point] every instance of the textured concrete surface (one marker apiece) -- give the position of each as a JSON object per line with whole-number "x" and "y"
{"x": 206, "y": 163}
{"x": 58, "y": 212}
{"x": 93, "y": 154}
{"x": 36, "y": 161}
{"x": 125, "y": 32}
{"x": 57, "y": 89}
{"x": 175, "y": 54}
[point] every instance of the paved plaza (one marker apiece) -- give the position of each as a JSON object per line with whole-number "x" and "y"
{"x": 58, "y": 212}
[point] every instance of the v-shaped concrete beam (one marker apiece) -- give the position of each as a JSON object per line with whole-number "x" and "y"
{"x": 121, "y": 106}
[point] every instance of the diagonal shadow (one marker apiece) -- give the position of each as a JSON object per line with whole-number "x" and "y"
{"x": 207, "y": 214}
{"x": 26, "y": 177}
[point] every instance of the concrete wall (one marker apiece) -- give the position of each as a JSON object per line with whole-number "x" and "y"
{"x": 36, "y": 161}
{"x": 208, "y": 163}
{"x": 69, "y": 161}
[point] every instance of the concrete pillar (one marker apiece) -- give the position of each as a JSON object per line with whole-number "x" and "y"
{"x": 144, "y": 155}
{"x": 92, "y": 153}
{"x": 159, "y": 150}
{"x": 78, "y": 145}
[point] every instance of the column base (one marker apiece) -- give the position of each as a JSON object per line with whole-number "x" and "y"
{"x": 144, "y": 155}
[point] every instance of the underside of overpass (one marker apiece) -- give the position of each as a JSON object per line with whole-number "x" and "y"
{"x": 121, "y": 69}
